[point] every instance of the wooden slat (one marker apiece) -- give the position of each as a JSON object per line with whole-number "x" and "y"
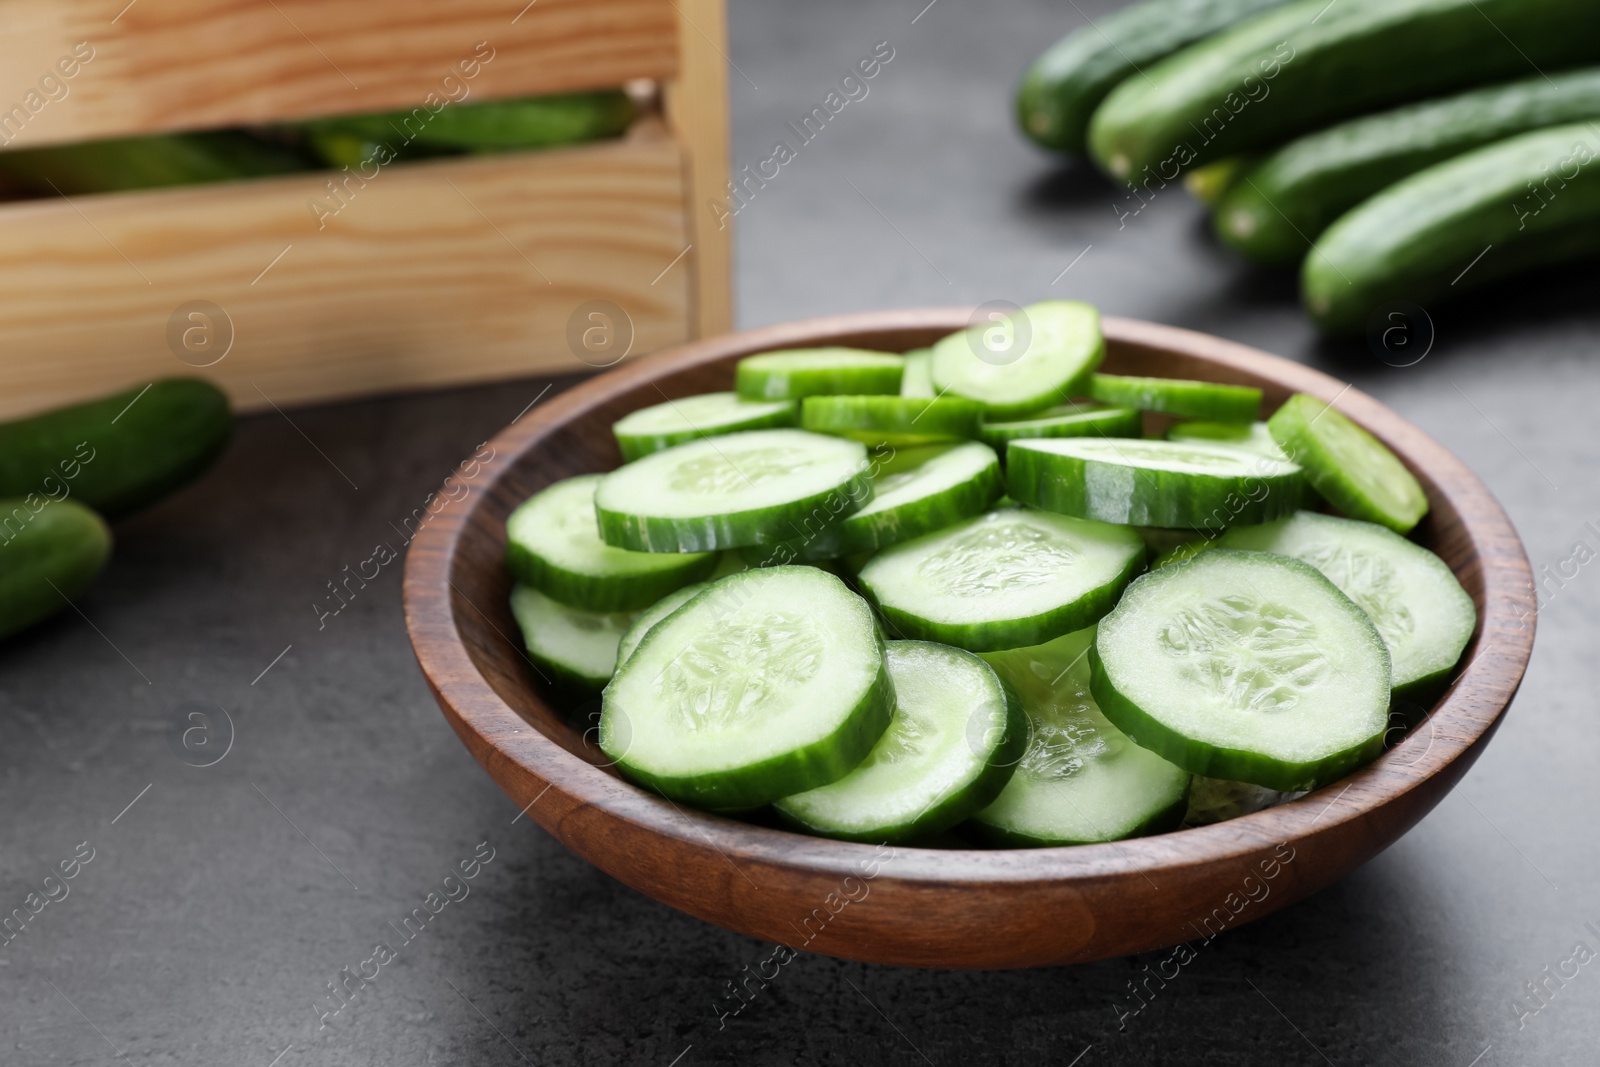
{"x": 191, "y": 64}
{"x": 454, "y": 271}
{"x": 698, "y": 109}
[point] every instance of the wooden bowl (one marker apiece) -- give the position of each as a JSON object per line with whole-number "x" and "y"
{"x": 937, "y": 907}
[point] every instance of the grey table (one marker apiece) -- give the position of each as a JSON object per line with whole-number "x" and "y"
{"x": 221, "y": 902}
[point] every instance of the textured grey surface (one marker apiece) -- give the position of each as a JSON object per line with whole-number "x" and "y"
{"x": 220, "y": 905}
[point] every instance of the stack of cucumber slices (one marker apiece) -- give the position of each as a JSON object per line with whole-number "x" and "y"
{"x": 911, "y": 598}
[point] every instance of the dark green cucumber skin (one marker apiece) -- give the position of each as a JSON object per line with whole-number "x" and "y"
{"x": 1530, "y": 197}
{"x": 1061, "y": 89}
{"x": 638, "y": 592}
{"x": 500, "y": 124}
{"x": 165, "y": 440}
{"x": 1168, "y": 818}
{"x": 1298, "y": 191}
{"x": 50, "y": 551}
{"x": 150, "y": 162}
{"x": 638, "y": 446}
{"x": 1110, "y": 422}
{"x": 1308, "y": 64}
{"x": 1196, "y": 400}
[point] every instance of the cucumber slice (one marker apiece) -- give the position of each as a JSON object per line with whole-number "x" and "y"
{"x": 918, "y": 378}
{"x": 1152, "y": 483}
{"x": 1037, "y": 356}
{"x": 1414, "y": 600}
{"x": 553, "y": 543}
{"x": 800, "y": 372}
{"x": 1006, "y": 579}
{"x": 725, "y": 492}
{"x": 769, "y": 683}
{"x": 1080, "y": 779}
{"x": 1179, "y": 396}
{"x": 914, "y": 492}
{"x": 893, "y": 421}
{"x": 951, "y": 747}
{"x": 1065, "y": 420}
{"x": 1247, "y": 666}
{"x": 572, "y": 645}
{"x": 1212, "y": 800}
{"x": 654, "y": 614}
{"x": 1254, "y": 437}
{"x": 673, "y": 422}
{"x": 1347, "y": 465}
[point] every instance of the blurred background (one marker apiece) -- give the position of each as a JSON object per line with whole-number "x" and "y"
{"x": 225, "y": 893}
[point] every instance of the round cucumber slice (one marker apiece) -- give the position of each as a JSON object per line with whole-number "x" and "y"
{"x": 654, "y": 614}
{"x": 570, "y": 645}
{"x": 726, "y": 492}
{"x": 893, "y": 421}
{"x": 1179, "y": 396}
{"x": 769, "y": 683}
{"x": 553, "y": 543}
{"x": 915, "y": 491}
{"x": 918, "y": 378}
{"x": 1347, "y": 465}
{"x": 1414, "y": 600}
{"x": 954, "y": 740}
{"x": 673, "y": 422}
{"x": 1080, "y": 779}
{"x": 1253, "y": 437}
{"x": 1247, "y": 666}
{"x": 1152, "y": 483}
{"x": 800, "y": 372}
{"x": 1065, "y": 420}
{"x": 1038, "y": 356}
{"x": 1006, "y": 579}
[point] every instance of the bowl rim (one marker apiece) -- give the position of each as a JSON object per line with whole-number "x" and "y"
{"x": 1463, "y": 716}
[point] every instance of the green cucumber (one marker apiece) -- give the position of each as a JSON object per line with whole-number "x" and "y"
{"x": 1188, "y": 484}
{"x": 894, "y": 421}
{"x": 1080, "y": 780}
{"x": 1006, "y": 579}
{"x": 914, "y": 491}
{"x": 1253, "y": 437}
{"x": 1179, "y": 396}
{"x": 795, "y": 373}
{"x": 498, "y": 124}
{"x": 1210, "y": 183}
{"x": 1213, "y": 800}
{"x": 1065, "y": 420}
{"x": 1310, "y": 63}
{"x": 553, "y": 543}
{"x": 917, "y": 381}
{"x": 570, "y": 646}
{"x": 1021, "y": 363}
{"x": 769, "y": 683}
{"x": 150, "y": 162}
{"x": 1296, "y": 192}
{"x": 1420, "y": 610}
{"x": 952, "y": 745}
{"x": 50, "y": 551}
{"x": 1062, "y": 88}
{"x": 726, "y": 492}
{"x": 654, "y": 614}
{"x": 119, "y": 453}
{"x": 1526, "y": 202}
{"x": 1347, "y": 465}
{"x": 1247, "y": 666}
{"x": 674, "y": 422}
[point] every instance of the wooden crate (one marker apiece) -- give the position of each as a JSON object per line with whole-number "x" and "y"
{"x": 454, "y": 270}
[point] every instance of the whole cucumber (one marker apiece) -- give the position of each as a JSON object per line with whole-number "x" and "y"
{"x": 119, "y": 453}
{"x": 1310, "y": 63}
{"x": 498, "y": 124}
{"x": 1064, "y": 85}
{"x": 1518, "y": 204}
{"x": 149, "y": 162}
{"x": 49, "y": 552}
{"x": 1295, "y": 193}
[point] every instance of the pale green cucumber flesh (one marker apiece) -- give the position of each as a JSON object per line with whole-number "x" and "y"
{"x": 768, "y": 683}
{"x": 954, "y": 740}
{"x": 1254, "y": 436}
{"x": 553, "y": 543}
{"x": 672, "y": 422}
{"x": 918, "y": 378}
{"x": 1177, "y": 396}
{"x": 1023, "y": 362}
{"x": 1005, "y": 579}
{"x": 1080, "y": 779}
{"x": 740, "y": 489}
{"x": 1192, "y": 484}
{"x": 1354, "y": 471}
{"x": 568, "y": 645}
{"x": 1247, "y": 666}
{"x": 1421, "y": 612}
{"x": 654, "y": 614}
{"x": 801, "y": 372}
{"x": 1065, "y": 420}
{"x": 896, "y": 421}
